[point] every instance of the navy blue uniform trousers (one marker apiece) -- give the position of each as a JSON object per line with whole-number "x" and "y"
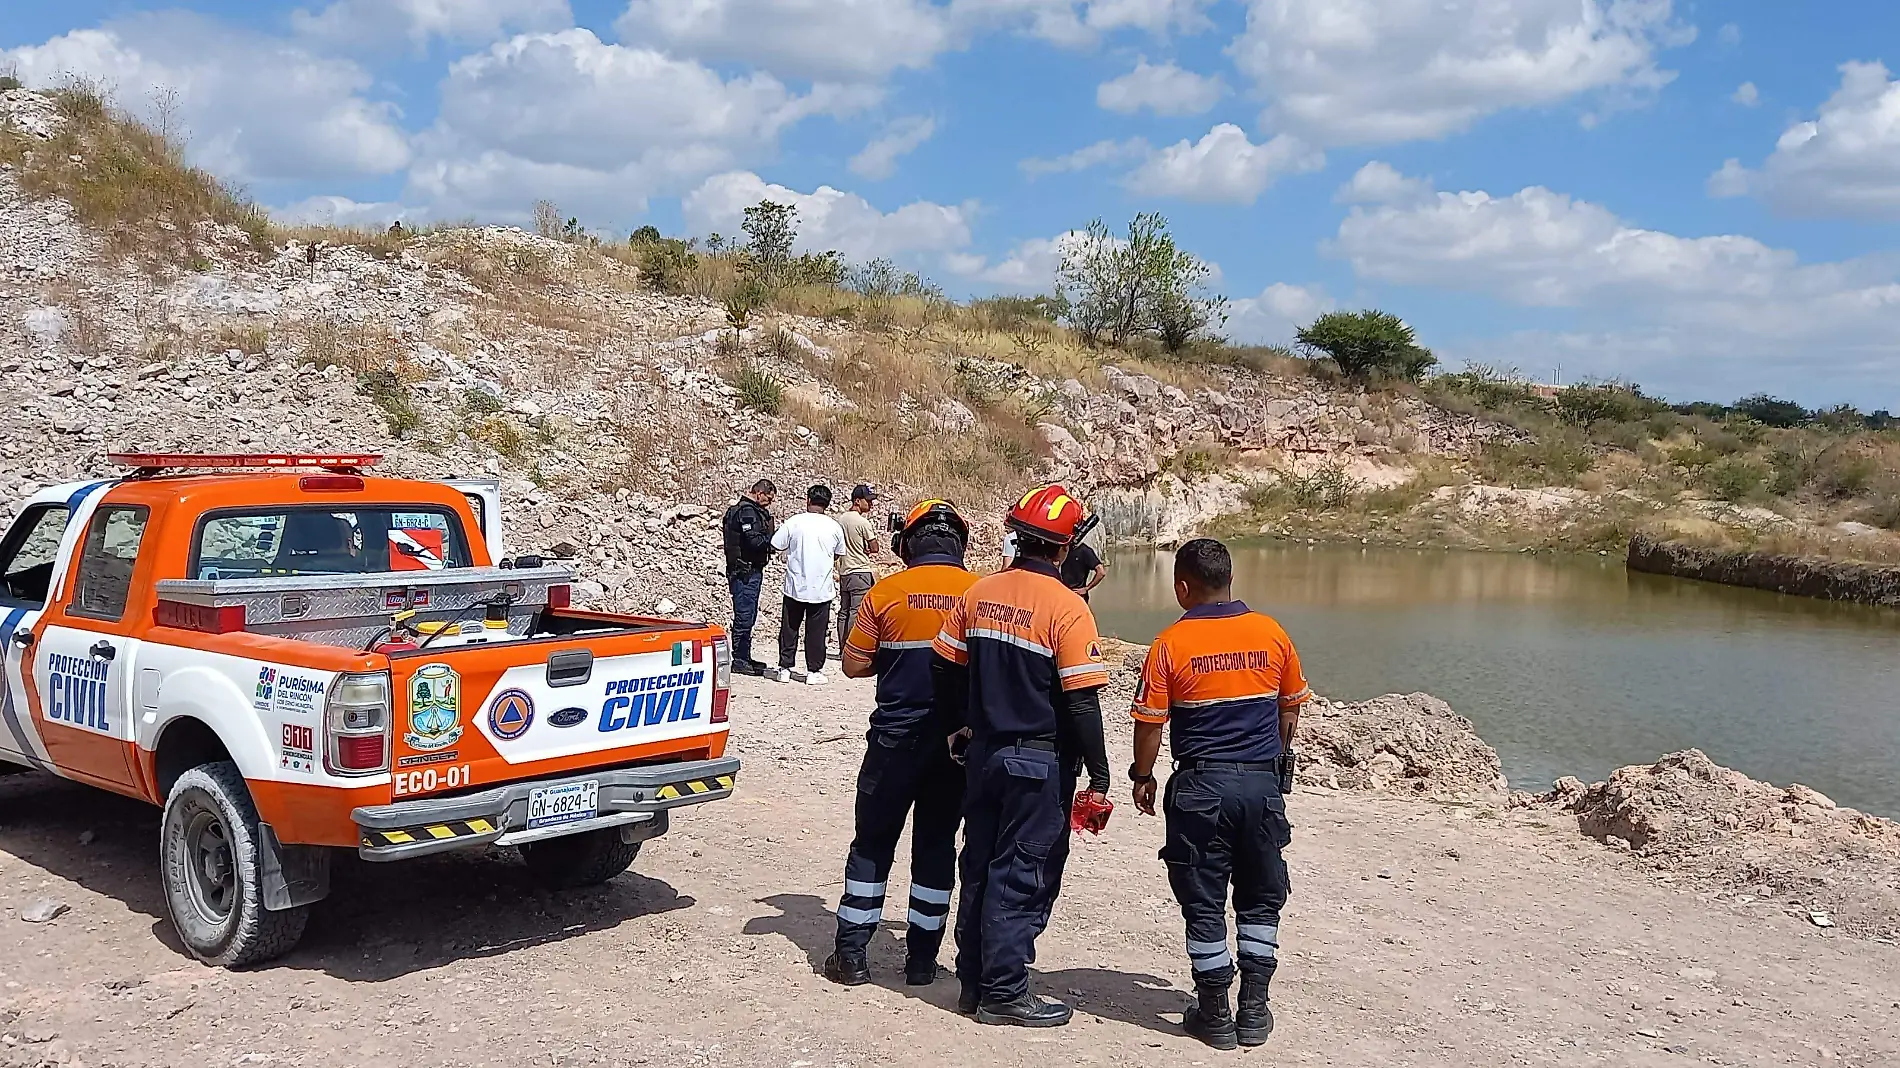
{"x": 907, "y": 774}
{"x": 1015, "y": 843}
{"x": 1227, "y": 824}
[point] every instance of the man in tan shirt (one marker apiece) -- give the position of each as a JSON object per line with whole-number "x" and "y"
{"x": 856, "y": 572}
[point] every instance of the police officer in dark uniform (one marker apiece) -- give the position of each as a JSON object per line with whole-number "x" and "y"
{"x": 908, "y": 772}
{"x": 1226, "y": 682}
{"x": 1019, "y": 667}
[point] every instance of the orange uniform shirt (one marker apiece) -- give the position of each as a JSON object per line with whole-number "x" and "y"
{"x": 893, "y": 631}
{"x": 1025, "y": 637}
{"x": 1219, "y": 677}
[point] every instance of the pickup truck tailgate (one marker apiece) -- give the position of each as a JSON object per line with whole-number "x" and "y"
{"x": 482, "y": 715}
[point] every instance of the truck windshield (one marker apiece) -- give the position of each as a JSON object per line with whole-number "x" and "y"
{"x": 328, "y": 541}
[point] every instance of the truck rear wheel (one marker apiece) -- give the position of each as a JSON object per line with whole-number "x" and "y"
{"x": 576, "y": 860}
{"x": 213, "y": 884}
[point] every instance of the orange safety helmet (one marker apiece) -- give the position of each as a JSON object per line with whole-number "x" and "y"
{"x": 931, "y": 511}
{"x": 1049, "y": 513}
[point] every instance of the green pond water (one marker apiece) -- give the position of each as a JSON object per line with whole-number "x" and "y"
{"x": 1571, "y": 665}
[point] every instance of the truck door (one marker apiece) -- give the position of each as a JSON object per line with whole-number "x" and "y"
{"x": 27, "y": 558}
{"x": 484, "y": 495}
{"x": 85, "y": 658}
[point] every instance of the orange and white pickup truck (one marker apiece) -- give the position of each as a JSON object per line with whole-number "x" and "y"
{"x": 293, "y": 658}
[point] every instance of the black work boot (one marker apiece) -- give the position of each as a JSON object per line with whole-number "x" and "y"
{"x": 848, "y": 969}
{"x": 969, "y": 998}
{"x": 920, "y": 971}
{"x": 1254, "y": 1021}
{"x": 1210, "y": 1019}
{"x": 1025, "y": 1011}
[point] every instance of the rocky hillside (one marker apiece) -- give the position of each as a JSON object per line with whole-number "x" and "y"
{"x": 619, "y": 419}
{"x": 143, "y": 306}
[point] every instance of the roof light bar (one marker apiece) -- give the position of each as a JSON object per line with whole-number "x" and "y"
{"x": 148, "y": 461}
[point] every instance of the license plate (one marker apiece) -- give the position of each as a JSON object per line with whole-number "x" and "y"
{"x": 551, "y": 805}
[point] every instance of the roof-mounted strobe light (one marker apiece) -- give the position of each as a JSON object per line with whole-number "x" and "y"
{"x": 147, "y": 464}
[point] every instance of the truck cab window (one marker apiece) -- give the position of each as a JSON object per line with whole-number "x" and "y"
{"x": 106, "y": 560}
{"x": 324, "y": 541}
{"x": 26, "y": 557}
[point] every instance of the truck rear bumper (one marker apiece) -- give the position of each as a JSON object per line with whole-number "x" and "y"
{"x": 636, "y": 800}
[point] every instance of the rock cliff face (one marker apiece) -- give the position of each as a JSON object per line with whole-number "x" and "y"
{"x": 1804, "y": 576}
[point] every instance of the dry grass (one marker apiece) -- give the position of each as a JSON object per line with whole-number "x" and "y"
{"x": 129, "y": 183}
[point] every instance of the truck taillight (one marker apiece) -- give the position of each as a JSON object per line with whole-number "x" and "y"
{"x": 356, "y": 724}
{"x": 722, "y": 678}
{"x": 225, "y": 619}
{"x": 560, "y": 596}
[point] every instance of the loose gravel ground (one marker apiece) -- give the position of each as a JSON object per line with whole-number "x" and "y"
{"x": 1420, "y": 933}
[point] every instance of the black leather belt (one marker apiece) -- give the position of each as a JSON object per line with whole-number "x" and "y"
{"x": 1043, "y": 744}
{"x": 1227, "y": 765}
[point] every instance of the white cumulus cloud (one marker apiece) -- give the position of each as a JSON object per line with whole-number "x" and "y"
{"x": 1028, "y": 267}
{"x": 1357, "y": 71}
{"x": 342, "y": 211}
{"x": 1843, "y": 162}
{"x": 1223, "y": 166}
{"x": 383, "y": 25}
{"x": 1746, "y": 95}
{"x": 831, "y": 218}
{"x": 255, "y": 108}
{"x": 1728, "y": 299}
{"x": 843, "y": 40}
{"x": 878, "y": 159}
{"x": 1095, "y": 155}
{"x": 1379, "y": 182}
{"x": 1164, "y": 89}
{"x": 1077, "y": 23}
{"x": 1276, "y": 313}
{"x": 597, "y": 127}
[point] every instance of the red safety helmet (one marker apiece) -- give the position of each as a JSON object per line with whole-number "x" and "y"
{"x": 931, "y": 512}
{"x": 1049, "y": 513}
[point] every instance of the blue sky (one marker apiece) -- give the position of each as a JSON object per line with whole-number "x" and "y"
{"x": 1699, "y": 197}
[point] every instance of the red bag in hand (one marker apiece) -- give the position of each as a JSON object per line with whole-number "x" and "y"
{"x": 1090, "y": 812}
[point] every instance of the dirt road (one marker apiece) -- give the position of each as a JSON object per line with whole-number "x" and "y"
{"x": 1418, "y": 934}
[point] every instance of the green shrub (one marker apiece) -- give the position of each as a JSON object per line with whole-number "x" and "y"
{"x": 1789, "y": 471}
{"x": 759, "y": 390}
{"x": 1368, "y": 342}
{"x": 8, "y": 81}
{"x": 666, "y": 264}
{"x": 388, "y": 393}
{"x": 1587, "y": 403}
{"x": 1843, "y": 471}
{"x": 1734, "y": 479}
{"x": 482, "y": 402}
{"x": 747, "y": 297}
{"x": 1629, "y": 436}
{"x": 1552, "y": 459}
{"x": 1772, "y": 411}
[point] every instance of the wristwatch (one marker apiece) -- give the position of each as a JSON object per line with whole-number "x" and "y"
{"x": 1138, "y": 779}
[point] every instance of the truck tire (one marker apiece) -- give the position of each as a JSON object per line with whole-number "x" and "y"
{"x": 213, "y": 885}
{"x": 576, "y": 860}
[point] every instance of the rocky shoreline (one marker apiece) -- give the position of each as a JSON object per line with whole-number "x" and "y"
{"x": 1802, "y": 576}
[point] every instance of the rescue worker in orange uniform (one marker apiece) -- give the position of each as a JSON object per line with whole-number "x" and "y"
{"x": 907, "y": 770}
{"x": 1226, "y": 683}
{"x": 1019, "y": 668}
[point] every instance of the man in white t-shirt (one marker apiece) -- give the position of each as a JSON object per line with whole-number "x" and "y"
{"x": 812, "y": 542}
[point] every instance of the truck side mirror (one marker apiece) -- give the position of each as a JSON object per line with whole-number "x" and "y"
{"x": 895, "y": 522}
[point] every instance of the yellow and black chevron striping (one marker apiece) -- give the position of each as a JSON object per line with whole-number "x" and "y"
{"x": 434, "y": 832}
{"x": 690, "y": 788}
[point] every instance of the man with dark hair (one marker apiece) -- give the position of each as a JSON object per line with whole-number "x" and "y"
{"x": 857, "y": 571}
{"x": 812, "y": 543}
{"x": 747, "y": 531}
{"x": 1019, "y": 669}
{"x": 1226, "y": 682}
{"x": 907, "y": 772}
